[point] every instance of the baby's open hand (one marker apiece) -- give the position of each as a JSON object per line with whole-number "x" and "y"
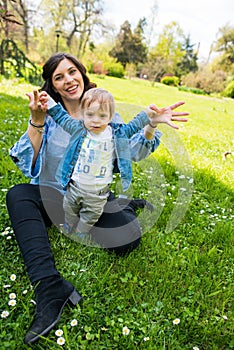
{"x": 166, "y": 115}
{"x": 43, "y": 99}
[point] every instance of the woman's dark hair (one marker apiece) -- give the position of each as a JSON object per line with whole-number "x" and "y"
{"x": 49, "y": 68}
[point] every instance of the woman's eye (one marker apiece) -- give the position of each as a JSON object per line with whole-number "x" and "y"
{"x": 57, "y": 78}
{"x": 73, "y": 71}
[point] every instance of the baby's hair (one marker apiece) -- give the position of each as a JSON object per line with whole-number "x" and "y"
{"x": 103, "y": 97}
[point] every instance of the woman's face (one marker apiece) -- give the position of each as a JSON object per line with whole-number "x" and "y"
{"x": 68, "y": 81}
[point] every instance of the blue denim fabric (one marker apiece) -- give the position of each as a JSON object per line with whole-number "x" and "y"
{"x": 55, "y": 142}
{"x": 121, "y": 134}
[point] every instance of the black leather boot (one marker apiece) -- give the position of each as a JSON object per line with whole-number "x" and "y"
{"x": 52, "y": 294}
{"x": 135, "y": 204}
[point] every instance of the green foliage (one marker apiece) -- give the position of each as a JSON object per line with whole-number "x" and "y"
{"x": 192, "y": 90}
{"x": 224, "y": 45}
{"x": 188, "y": 62}
{"x": 114, "y": 69}
{"x": 186, "y": 273}
{"x": 229, "y": 91}
{"x": 169, "y": 47}
{"x": 14, "y": 63}
{"x": 129, "y": 46}
{"x": 98, "y": 61}
{"x": 170, "y": 80}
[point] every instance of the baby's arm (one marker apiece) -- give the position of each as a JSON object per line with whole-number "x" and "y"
{"x": 59, "y": 114}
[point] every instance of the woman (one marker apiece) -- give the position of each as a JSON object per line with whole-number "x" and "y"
{"x": 35, "y": 206}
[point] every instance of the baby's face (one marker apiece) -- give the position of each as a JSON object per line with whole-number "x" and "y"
{"x": 96, "y": 118}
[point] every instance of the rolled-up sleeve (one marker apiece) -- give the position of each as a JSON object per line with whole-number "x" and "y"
{"x": 22, "y": 155}
{"x": 141, "y": 147}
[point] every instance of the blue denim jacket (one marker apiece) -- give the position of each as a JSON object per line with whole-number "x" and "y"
{"x": 121, "y": 135}
{"x": 54, "y": 144}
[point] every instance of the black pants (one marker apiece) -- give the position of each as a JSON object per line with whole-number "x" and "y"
{"x": 32, "y": 209}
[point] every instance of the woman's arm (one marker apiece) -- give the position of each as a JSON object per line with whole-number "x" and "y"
{"x": 36, "y": 125}
{"x": 26, "y": 152}
{"x": 23, "y": 155}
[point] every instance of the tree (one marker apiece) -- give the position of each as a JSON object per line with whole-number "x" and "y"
{"x": 151, "y": 24}
{"x": 18, "y": 12}
{"x": 6, "y": 17}
{"x": 129, "y": 46}
{"x": 225, "y": 45}
{"x": 154, "y": 67}
{"x": 76, "y": 19}
{"x": 188, "y": 62}
{"x": 169, "y": 47}
{"x": 21, "y": 9}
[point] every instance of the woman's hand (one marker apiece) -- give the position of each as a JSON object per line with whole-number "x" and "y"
{"x": 38, "y": 115}
{"x": 166, "y": 115}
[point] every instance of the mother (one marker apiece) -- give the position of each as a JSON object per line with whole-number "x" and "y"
{"x": 34, "y": 207}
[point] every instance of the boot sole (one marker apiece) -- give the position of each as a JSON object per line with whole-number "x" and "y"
{"x": 73, "y": 299}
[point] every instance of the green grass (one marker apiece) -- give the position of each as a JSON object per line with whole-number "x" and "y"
{"x": 184, "y": 266}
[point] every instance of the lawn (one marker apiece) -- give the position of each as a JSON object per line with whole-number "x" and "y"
{"x": 176, "y": 290}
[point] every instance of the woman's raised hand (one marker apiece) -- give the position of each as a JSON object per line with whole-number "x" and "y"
{"x": 38, "y": 115}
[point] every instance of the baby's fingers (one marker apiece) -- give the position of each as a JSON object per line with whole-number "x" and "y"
{"x": 178, "y": 119}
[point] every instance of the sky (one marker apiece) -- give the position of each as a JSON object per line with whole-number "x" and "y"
{"x": 201, "y": 19}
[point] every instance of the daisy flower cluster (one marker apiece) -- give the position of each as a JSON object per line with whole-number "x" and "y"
{"x": 8, "y": 232}
{"x": 182, "y": 191}
{"x": 59, "y": 333}
{"x": 220, "y": 214}
{"x": 12, "y": 297}
{"x": 60, "y": 339}
{"x": 12, "y": 301}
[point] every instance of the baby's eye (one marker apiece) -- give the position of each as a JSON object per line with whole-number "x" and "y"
{"x": 89, "y": 114}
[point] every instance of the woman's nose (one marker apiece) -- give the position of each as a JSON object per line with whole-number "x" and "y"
{"x": 68, "y": 78}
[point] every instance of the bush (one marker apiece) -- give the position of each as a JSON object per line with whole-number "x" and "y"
{"x": 98, "y": 68}
{"x": 114, "y": 69}
{"x": 229, "y": 91}
{"x": 192, "y": 90}
{"x": 170, "y": 80}
{"x": 205, "y": 80}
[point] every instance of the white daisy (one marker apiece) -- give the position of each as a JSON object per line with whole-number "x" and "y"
{"x": 73, "y": 322}
{"x": 146, "y": 338}
{"x": 60, "y": 341}
{"x": 4, "y": 314}
{"x": 12, "y": 296}
{"x": 176, "y": 321}
{"x": 13, "y": 277}
{"x": 12, "y": 302}
{"x": 59, "y": 332}
{"x": 125, "y": 330}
